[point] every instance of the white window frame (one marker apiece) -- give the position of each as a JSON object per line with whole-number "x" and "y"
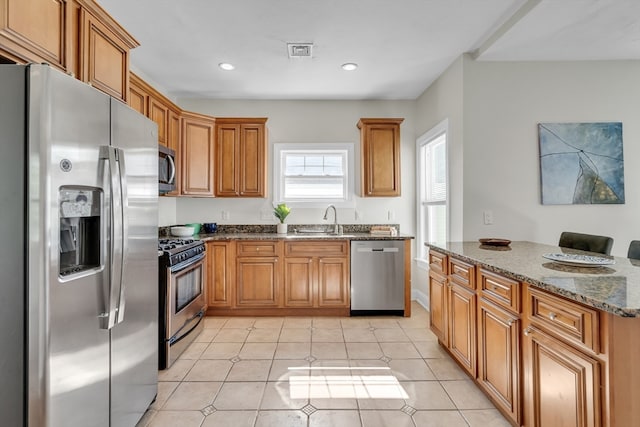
{"x": 278, "y": 176}
{"x": 422, "y": 142}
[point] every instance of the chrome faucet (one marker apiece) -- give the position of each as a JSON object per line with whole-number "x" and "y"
{"x": 335, "y": 218}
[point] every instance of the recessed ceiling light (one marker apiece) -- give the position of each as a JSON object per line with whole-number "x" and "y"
{"x": 349, "y": 66}
{"x": 226, "y": 66}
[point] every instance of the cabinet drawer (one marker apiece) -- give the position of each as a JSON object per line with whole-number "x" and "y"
{"x": 257, "y": 248}
{"x": 462, "y": 273}
{"x": 565, "y": 319}
{"x": 438, "y": 262}
{"x": 317, "y": 248}
{"x": 501, "y": 290}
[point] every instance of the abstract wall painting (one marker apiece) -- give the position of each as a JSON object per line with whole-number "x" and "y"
{"x": 581, "y": 163}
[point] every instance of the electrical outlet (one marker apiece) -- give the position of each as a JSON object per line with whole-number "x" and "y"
{"x": 225, "y": 214}
{"x": 359, "y": 216}
{"x": 391, "y": 215}
{"x": 488, "y": 217}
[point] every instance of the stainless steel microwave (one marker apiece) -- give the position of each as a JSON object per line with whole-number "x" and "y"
{"x": 166, "y": 169}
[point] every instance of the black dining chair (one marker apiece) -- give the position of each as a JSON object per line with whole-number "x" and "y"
{"x": 634, "y": 250}
{"x": 586, "y": 242}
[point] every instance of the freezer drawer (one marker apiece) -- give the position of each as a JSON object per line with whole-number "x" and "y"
{"x": 377, "y": 277}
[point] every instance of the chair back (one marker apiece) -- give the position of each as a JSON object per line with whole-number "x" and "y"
{"x": 586, "y": 242}
{"x": 634, "y": 250}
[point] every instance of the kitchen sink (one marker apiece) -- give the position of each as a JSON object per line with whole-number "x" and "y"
{"x": 318, "y": 235}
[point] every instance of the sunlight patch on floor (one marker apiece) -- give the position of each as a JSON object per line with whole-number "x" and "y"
{"x": 349, "y": 386}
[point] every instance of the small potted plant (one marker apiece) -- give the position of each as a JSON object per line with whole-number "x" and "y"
{"x": 281, "y": 212}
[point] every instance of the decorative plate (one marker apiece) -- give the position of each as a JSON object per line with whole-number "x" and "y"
{"x": 494, "y": 242}
{"x": 577, "y": 260}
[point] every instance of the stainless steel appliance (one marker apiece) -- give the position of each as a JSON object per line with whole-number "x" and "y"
{"x": 377, "y": 277}
{"x": 166, "y": 169}
{"x": 182, "y": 303}
{"x": 78, "y": 262}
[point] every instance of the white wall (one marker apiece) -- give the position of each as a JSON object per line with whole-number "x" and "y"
{"x": 503, "y": 103}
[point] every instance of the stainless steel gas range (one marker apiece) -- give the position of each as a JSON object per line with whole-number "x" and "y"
{"x": 182, "y": 302}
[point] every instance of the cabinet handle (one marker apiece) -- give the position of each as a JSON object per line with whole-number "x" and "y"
{"x": 494, "y": 288}
{"x": 552, "y": 316}
{"x": 510, "y": 322}
{"x": 528, "y": 330}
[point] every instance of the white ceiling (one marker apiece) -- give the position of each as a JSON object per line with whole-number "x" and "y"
{"x": 401, "y": 46}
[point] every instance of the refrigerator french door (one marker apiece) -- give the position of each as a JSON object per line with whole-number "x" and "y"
{"x": 79, "y": 294}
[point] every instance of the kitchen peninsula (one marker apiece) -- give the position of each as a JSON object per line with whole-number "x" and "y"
{"x": 550, "y": 344}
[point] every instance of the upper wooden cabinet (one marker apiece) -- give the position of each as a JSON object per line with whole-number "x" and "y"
{"x": 197, "y": 154}
{"x": 174, "y": 142}
{"x": 36, "y": 31}
{"x": 159, "y": 113}
{"x": 380, "y": 157}
{"x": 148, "y": 101}
{"x": 138, "y": 95}
{"x": 104, "y": 51}
{"x": 241, "y": 157}
{"x": 76, "y": 36}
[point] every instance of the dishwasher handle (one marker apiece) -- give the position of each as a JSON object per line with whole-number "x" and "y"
{"x": 377, "y": 250}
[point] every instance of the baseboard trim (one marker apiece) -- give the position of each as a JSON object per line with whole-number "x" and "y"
{"x": 421, "y": 298}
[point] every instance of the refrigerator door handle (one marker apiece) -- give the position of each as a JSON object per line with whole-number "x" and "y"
{"x": 109, "y": 318}
{"x": 124, "y": 228}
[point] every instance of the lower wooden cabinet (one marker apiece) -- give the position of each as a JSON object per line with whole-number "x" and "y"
{"x": 272, "y": 277}
{"x": 299, "y": 282}
{"x": 438, "y": 306}
{"x": 462, "y": 326}
{"x": 316, "y": 274}
{"x": 333, "y": 282}
{"x": 499, "y": 357}
{"x": 562, "y": 384}
{"x": 220, "y": 289}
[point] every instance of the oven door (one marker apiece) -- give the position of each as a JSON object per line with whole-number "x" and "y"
{"x": 185, "y": 296}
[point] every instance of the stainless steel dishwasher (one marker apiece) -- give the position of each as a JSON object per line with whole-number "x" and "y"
{"x": 377, "y": 277}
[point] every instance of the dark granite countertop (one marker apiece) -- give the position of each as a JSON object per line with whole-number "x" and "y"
{"x": 612, "y": 288}
{"x": 292, "y": 236}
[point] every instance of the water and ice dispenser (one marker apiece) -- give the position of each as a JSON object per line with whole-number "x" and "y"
{"x": 80, "y": 229}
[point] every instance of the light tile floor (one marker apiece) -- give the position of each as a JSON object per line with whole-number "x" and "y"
{"x": 317, "y": 372}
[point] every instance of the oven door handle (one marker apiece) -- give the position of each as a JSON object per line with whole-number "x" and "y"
{"x": 177, "y": 337}
{"x": 186, "y": 264}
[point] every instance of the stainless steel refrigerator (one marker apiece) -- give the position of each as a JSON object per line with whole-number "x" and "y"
{"x": 78, "y": 254}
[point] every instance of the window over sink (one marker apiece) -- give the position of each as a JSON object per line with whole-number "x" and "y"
{"x": 313, "y": 174}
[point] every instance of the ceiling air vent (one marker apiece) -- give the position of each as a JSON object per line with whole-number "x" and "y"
{"x": 300, "y": 50}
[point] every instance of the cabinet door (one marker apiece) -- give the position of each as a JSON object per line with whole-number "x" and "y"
{"x": 498, "y": 357}
{"x": 333, "y": 282}
{"x": 462, "y": 326}
{"x": 197, "y": 155}
{"x": 137, "y": 98}
{"x": 35, "y": 30}
{"x": 562, "y": 384}
{"x": 159, "y": 113}
{"x": 104, "y": 58}
{"x": 219, "y": 275}
{"x": 227, "y": 147}
{"x": 257, "y": 282}
{"x": 299, "y": 281}
{"x": 438, "y": 307}
{"x": 252, "y": 161}
{"x": 174, "y": 142}
{"x": 380, "y": 146}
